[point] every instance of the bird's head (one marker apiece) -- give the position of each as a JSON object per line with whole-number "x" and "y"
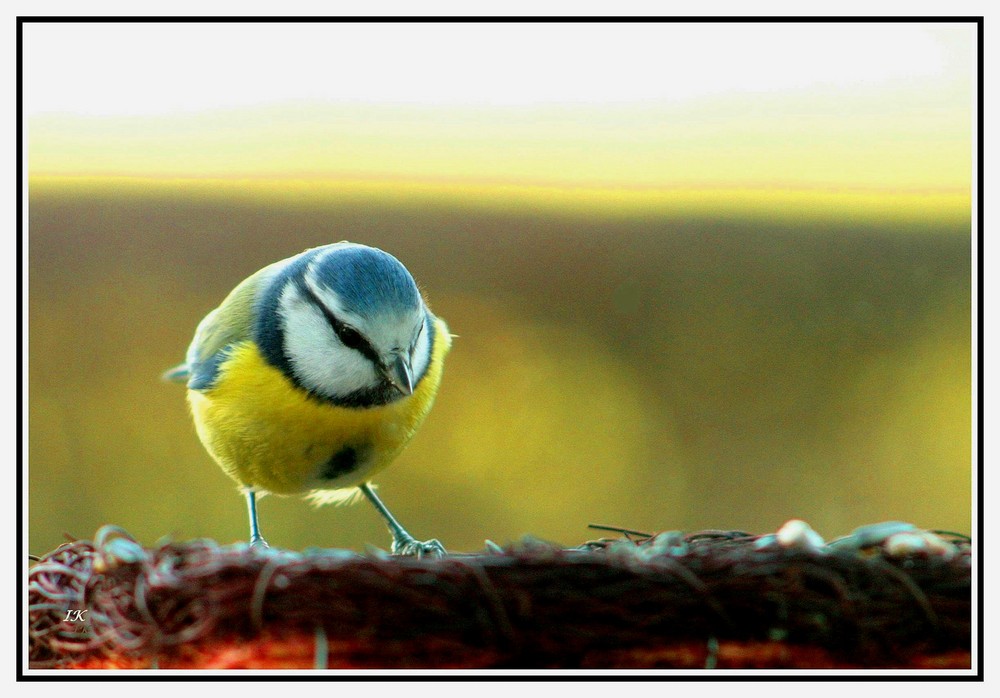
{"x": 355, "y": 329}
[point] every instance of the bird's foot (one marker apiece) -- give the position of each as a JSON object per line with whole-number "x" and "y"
{"x": 410, "y": 546}
{"x": 257, "y": 542}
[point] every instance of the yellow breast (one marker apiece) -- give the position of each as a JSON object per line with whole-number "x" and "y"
{"x": 269, "y": 434}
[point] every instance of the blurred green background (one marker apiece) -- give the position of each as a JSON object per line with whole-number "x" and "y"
{"x": 784, "y": 334}
{"x": 658, "y": 372}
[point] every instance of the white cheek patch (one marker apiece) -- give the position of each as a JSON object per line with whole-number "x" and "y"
{"x": 319, "y": 360}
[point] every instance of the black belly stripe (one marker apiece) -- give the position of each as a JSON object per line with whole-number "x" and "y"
{"x": 341, "y": 463}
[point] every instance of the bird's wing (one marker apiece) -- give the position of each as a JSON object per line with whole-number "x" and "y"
{"x": 230, "y": 323}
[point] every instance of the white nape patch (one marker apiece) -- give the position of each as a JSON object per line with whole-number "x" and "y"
{"x": 319, "y": 360}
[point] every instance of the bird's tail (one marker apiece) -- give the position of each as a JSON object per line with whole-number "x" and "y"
{"x": 178, "y": 374}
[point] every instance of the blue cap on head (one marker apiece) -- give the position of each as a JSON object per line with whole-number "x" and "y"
{"x": 368, "y": 280}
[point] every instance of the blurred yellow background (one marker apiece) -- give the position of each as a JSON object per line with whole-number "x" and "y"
{"x": 719, "y": 312}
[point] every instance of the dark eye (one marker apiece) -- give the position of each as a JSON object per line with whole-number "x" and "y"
{"x": 350, "y": 337}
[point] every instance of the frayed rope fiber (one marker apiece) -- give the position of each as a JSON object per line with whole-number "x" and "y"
{"x": 709, "y": 599}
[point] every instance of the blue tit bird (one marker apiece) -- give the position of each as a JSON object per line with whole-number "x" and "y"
{"x": 312, "y": 376}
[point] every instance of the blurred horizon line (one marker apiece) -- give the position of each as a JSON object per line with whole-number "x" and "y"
{"x": 946, "y": 203}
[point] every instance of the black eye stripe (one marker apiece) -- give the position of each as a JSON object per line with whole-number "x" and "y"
{"x": 350, "y": 337}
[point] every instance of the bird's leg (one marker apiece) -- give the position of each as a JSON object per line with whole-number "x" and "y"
{"x": 402, "y": 542}
{"x": 256, "y": 540}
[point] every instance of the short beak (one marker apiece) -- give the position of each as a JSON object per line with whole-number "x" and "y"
{"x": 397, "y": 371}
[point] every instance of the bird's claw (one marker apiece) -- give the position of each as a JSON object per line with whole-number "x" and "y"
{"x": 258, "y": 543}
{"x": 416, "y": 548}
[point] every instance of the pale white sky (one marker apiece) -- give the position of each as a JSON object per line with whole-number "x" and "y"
{"x": 161, "y": 68}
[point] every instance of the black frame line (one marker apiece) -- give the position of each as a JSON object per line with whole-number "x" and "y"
{"x": 556, "y": 675}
